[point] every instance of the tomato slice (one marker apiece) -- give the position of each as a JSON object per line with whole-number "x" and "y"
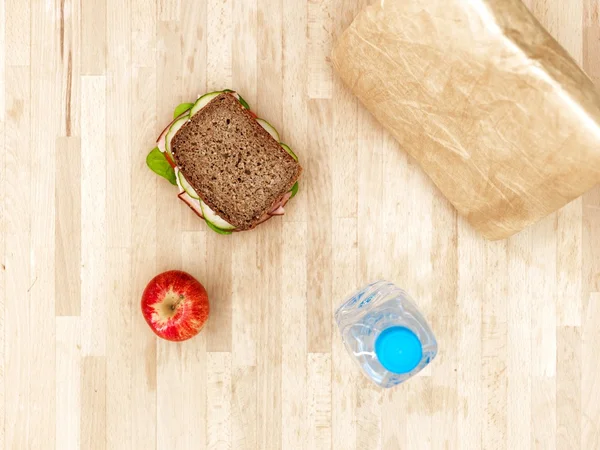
{"x": 169, "y": 160}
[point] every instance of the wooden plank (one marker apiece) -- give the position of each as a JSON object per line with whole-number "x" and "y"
{"x": 93, "y": 37}
{"x": 70, "y": 67}
{"x": 68, "y": 227}
{"x": 317, "y": 179}
{"x": 243, "y": 407}
{"x": 418, "y": 423}
{"x": 519, "y": 351}
{"x": 543, "y": 413}
{"x": 368, "y": 415}
{"x": 319, "y": 400}
{"x": 568, "y": 388}
{"x": 395, "y": 426}
{"x": 17, "y": 261}
{"x": 220, "y": 35}
{"x": 370, "y": 160}
{"x": 320, "y": 43}
{"x": 3, "y": 234}
{"x": 44, "y": 130}
{"x": 543, "y": 298}
{"x": 143, "y": 34}
{"x": 17, "y": 34}
{"x": 590, "y": 384}
{"x": 445, "y": 263}
{"x": 168, "y": 10}
{"x": 93, "y": 403}
{"x": 169, "y": 394}
{"x": 591, "y": 242}
{"x": 218, "y": 282}
{"x": 68, "y": 382}
{"x": 591, "y": 39}
{"x": 294, "y": 362}
{"x": 244, "y": 52}
{"x": 270, "y": 337}
{"x": 93, "y": 214}
{"x": 122, "y": 303}
{"x": 569, "y": 258}
{"x": 218, "y": 398}
{"x": 2, "y": 69}
{"x": 245, "y": 300}
{"x": 119, "y": 121}
{"x": 494, "y": 336}
{"x": 470, "y": 288}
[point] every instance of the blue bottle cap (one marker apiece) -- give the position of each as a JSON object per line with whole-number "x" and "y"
{"x": 398, "y": 349}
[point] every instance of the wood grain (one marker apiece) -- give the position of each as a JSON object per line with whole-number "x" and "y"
{"x": 68, "y": 227}
{"x": 68, "y": 382}
{"x": 85, "y": 88}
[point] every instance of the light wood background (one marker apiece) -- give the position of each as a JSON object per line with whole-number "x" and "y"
{"x": 86, "y": 86}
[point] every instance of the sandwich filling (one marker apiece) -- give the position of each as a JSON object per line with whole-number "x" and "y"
{"x": 162, "y": 161}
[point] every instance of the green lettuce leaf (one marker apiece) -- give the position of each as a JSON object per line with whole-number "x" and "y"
{"x": 294, "y": 190}
{"x": 157, "y": 162}
{"x": 181, "y": 109}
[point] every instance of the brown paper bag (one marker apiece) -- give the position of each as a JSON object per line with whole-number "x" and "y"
{"x": 490, "y": 105}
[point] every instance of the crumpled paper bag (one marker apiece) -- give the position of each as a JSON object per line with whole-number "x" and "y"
{"x": 491, "y": 106}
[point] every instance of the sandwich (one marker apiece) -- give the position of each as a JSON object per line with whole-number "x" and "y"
{"x": 230, "y": 166}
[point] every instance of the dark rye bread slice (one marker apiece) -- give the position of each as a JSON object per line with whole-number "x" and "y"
{"x": 234, "y": 165}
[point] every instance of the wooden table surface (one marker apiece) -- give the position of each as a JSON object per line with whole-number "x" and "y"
{"x": 86, "y": 86}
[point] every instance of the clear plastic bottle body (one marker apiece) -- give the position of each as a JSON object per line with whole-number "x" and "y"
{"x": 370, "y": 311}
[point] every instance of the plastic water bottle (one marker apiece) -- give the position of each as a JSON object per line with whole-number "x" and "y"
{"x": 385, "y": 333}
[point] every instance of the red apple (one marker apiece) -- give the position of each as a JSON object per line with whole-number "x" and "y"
{"x": 175, "y": 305}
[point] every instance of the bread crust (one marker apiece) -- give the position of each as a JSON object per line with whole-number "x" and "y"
{"x": 233, "y": 163}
